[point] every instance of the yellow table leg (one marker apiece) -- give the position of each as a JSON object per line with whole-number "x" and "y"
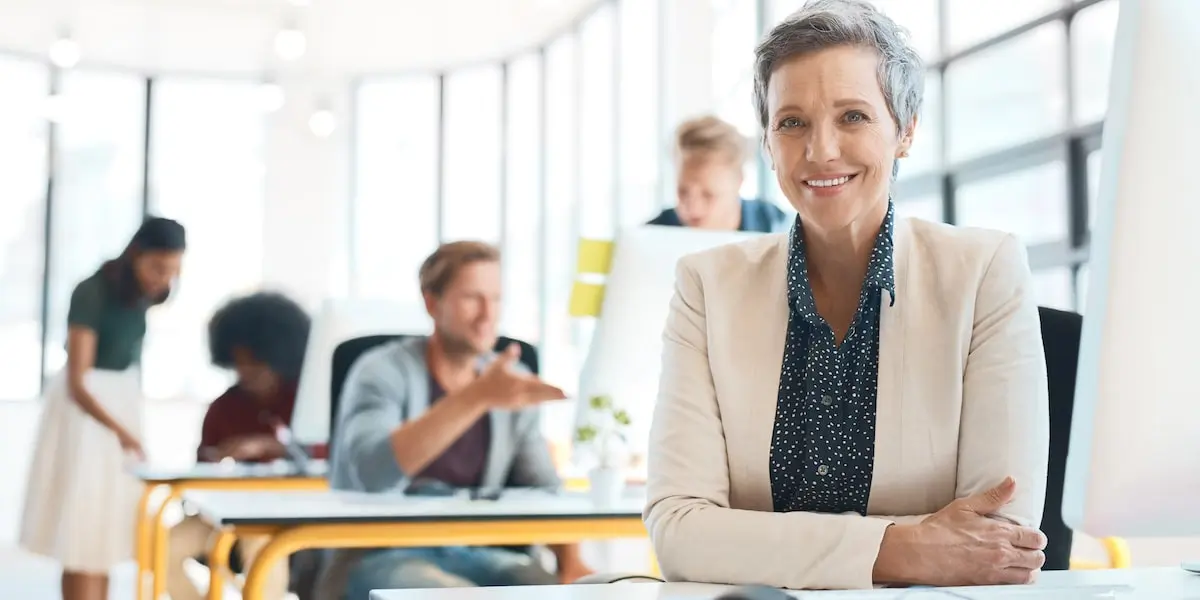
{"x": 654, "y": 568}
{"x": 143, "y": 541}
{"x": 162, "y": 545}
{"x": 218, "y": 562}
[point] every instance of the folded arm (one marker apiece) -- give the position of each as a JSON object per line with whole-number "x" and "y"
{"x": 697, "y": 535}
{"x": 1005, "y": 426}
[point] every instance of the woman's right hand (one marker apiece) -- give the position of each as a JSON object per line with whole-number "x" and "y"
{"x": 962, "y": 544}
{"x": 129, "y": 443}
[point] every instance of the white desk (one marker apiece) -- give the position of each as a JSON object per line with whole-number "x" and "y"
{"x": 301, "y": 520}
{"x": 1123, "y": 584}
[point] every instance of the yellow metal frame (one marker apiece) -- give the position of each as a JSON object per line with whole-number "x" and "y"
{"x": 151, "y": 536}
{"x": 286, "y": 541}
{"x": 1118, "y": 556}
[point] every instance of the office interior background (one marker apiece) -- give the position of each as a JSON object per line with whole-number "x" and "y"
{"x": 324, "y": 148}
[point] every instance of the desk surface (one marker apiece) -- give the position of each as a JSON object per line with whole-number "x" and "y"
{"x": 1132, "y": 584}
{"x": 229, "y": 470}
{"x": 331, "y": 507}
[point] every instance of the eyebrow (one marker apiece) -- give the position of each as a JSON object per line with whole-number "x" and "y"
{"x": 840, "y": 103}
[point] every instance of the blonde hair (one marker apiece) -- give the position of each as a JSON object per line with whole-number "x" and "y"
{"x": 709, "y": 135}
{"x": 444, "y": 264}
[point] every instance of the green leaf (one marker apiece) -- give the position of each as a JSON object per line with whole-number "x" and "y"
{"x": 586, "y": 433}
{"x": 622, "y": 417}
{"x": 601, "y": 402}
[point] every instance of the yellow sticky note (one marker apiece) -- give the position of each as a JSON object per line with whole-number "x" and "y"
{"x": 595, "y": 256}
{"x": 586, "y": 299}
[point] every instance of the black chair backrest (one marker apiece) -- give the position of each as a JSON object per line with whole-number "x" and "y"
{"x": 1061, "y": 331}
{"x": 349, "y": 351}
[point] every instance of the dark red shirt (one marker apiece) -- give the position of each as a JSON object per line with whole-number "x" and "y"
{"x": 238, "y": 414}
{"x": 462, "y": 464}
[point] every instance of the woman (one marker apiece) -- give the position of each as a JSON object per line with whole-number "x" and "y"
{"x": 849, "y": 404}
{"x": 80, "y": 503}
{"x": 262, "y": 337}
{"x": 709, "y": 154}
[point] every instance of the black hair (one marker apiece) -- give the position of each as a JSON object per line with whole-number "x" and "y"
{"x": 269, "y": 325}
{"x": 155, "y": 235}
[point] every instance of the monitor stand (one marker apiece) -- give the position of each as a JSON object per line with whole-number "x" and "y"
{"x": 1192, "y": 566}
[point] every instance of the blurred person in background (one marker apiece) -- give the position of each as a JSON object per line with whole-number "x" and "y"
{"x": 709, "y": 154}
{"x": 81, "y": 500}
{"x": 262, "y": 337}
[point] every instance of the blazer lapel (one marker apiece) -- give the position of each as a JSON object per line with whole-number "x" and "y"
{"x": 889, "y": 411}
{"x": 762, "y": 327}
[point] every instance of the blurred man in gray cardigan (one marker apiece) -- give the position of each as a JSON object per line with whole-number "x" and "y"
{"x": 445, "y": 411}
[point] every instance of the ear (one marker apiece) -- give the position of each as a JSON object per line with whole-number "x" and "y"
{"x": 766, "y": 146}
{"x": 906, "y": 139}
{"x": 430, "y": 304}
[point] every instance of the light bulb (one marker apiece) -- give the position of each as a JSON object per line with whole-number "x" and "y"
{"x": 64, "y": 52}
{"x": 270, "y": 97}
{"x": 322, "y": 123}
{"x": 290, "y": 44}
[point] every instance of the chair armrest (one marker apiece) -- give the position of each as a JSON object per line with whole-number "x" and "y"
{"x": 618, "y": 578}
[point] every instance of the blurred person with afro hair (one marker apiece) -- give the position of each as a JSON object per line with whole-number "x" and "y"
{"x": 261, "y": 337}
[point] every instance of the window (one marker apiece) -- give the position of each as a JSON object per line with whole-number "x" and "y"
{"x": 1093, "y": 177}
{"x": 561, "y": 357}
{"x": 471, "y": 182}
{"x": 927, "y": 207}
{"x": 968, "y": 25}
{"x": 97, "y": 201}
{"x": 596, "y": 143}
{"x": 396, "y": 188}
{"x": 23, "y": 135}
{"x": 523, "y": 214}
{"x": 735, "y": 34}
{"x": 926, "y": 152}
{"x": 1031, "y": 203}
{"x": 198, "y": 128}
{"x": 1008, "y": 94}
{"x": 1093, "y": 33}
{"x": 641, "y": 147}
{"x": 1055, "y": 288}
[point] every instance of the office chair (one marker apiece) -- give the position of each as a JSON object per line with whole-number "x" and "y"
{"x": 349, "y": 351}
{"x": 1061, "y": 331}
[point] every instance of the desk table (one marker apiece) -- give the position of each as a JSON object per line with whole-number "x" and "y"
{"x": 296, "y": 521}
{"x": 151, "y": 535}
{"x": 1115, "y": 584}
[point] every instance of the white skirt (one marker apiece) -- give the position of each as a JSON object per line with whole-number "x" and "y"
{"x": 81, "y": 500}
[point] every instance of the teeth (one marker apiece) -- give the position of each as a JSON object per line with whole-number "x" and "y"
{"x": 827, "y": 182}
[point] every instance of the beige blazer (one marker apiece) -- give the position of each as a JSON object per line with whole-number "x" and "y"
{"x": 962, "y": 403}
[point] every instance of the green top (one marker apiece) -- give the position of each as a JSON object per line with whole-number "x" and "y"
{"x": 119, "y": 328}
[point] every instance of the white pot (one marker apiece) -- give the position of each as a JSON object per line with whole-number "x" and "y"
{"x": 606, "y": 485}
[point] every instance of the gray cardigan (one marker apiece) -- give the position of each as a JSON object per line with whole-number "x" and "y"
{"x": 388, "y": 386}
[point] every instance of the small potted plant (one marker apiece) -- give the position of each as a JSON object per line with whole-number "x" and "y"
{"x": 604, "y": 435}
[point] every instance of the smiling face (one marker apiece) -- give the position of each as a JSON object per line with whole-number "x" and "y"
{"x": 831, "y": 138}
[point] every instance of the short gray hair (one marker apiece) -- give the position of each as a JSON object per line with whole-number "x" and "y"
{"x": 822, "y": 24}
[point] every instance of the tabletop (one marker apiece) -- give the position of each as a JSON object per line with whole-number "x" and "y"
{"x": 1133, "y": 584}
{"x": 330, "y": 507}
{"x": 229, "y": 470}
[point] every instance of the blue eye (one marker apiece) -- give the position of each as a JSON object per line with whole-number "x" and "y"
{"x": 789, "y": 122}
{"x": 856, "y": 116}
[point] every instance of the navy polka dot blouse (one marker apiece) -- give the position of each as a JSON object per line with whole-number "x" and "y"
{"x": 823, "y": 445}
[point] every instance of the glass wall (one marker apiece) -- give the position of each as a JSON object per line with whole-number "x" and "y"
{"x": 24, "y": 135}
{"x": 89, "y": 153}
{"x": 198, "y": 128}
{"x": 540, "y": 150}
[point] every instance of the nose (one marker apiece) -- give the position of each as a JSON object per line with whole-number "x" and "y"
{"x": 824, "y": 144}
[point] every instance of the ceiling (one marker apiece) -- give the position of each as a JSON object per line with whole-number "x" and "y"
{"x": 234, "y": 37}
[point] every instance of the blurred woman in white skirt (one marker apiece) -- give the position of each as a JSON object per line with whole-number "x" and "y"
{"x": 81, "y": 499}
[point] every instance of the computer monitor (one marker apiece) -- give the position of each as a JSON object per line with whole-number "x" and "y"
{"x": 1133, "y": 469}
{"x": 625, "y": 355}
